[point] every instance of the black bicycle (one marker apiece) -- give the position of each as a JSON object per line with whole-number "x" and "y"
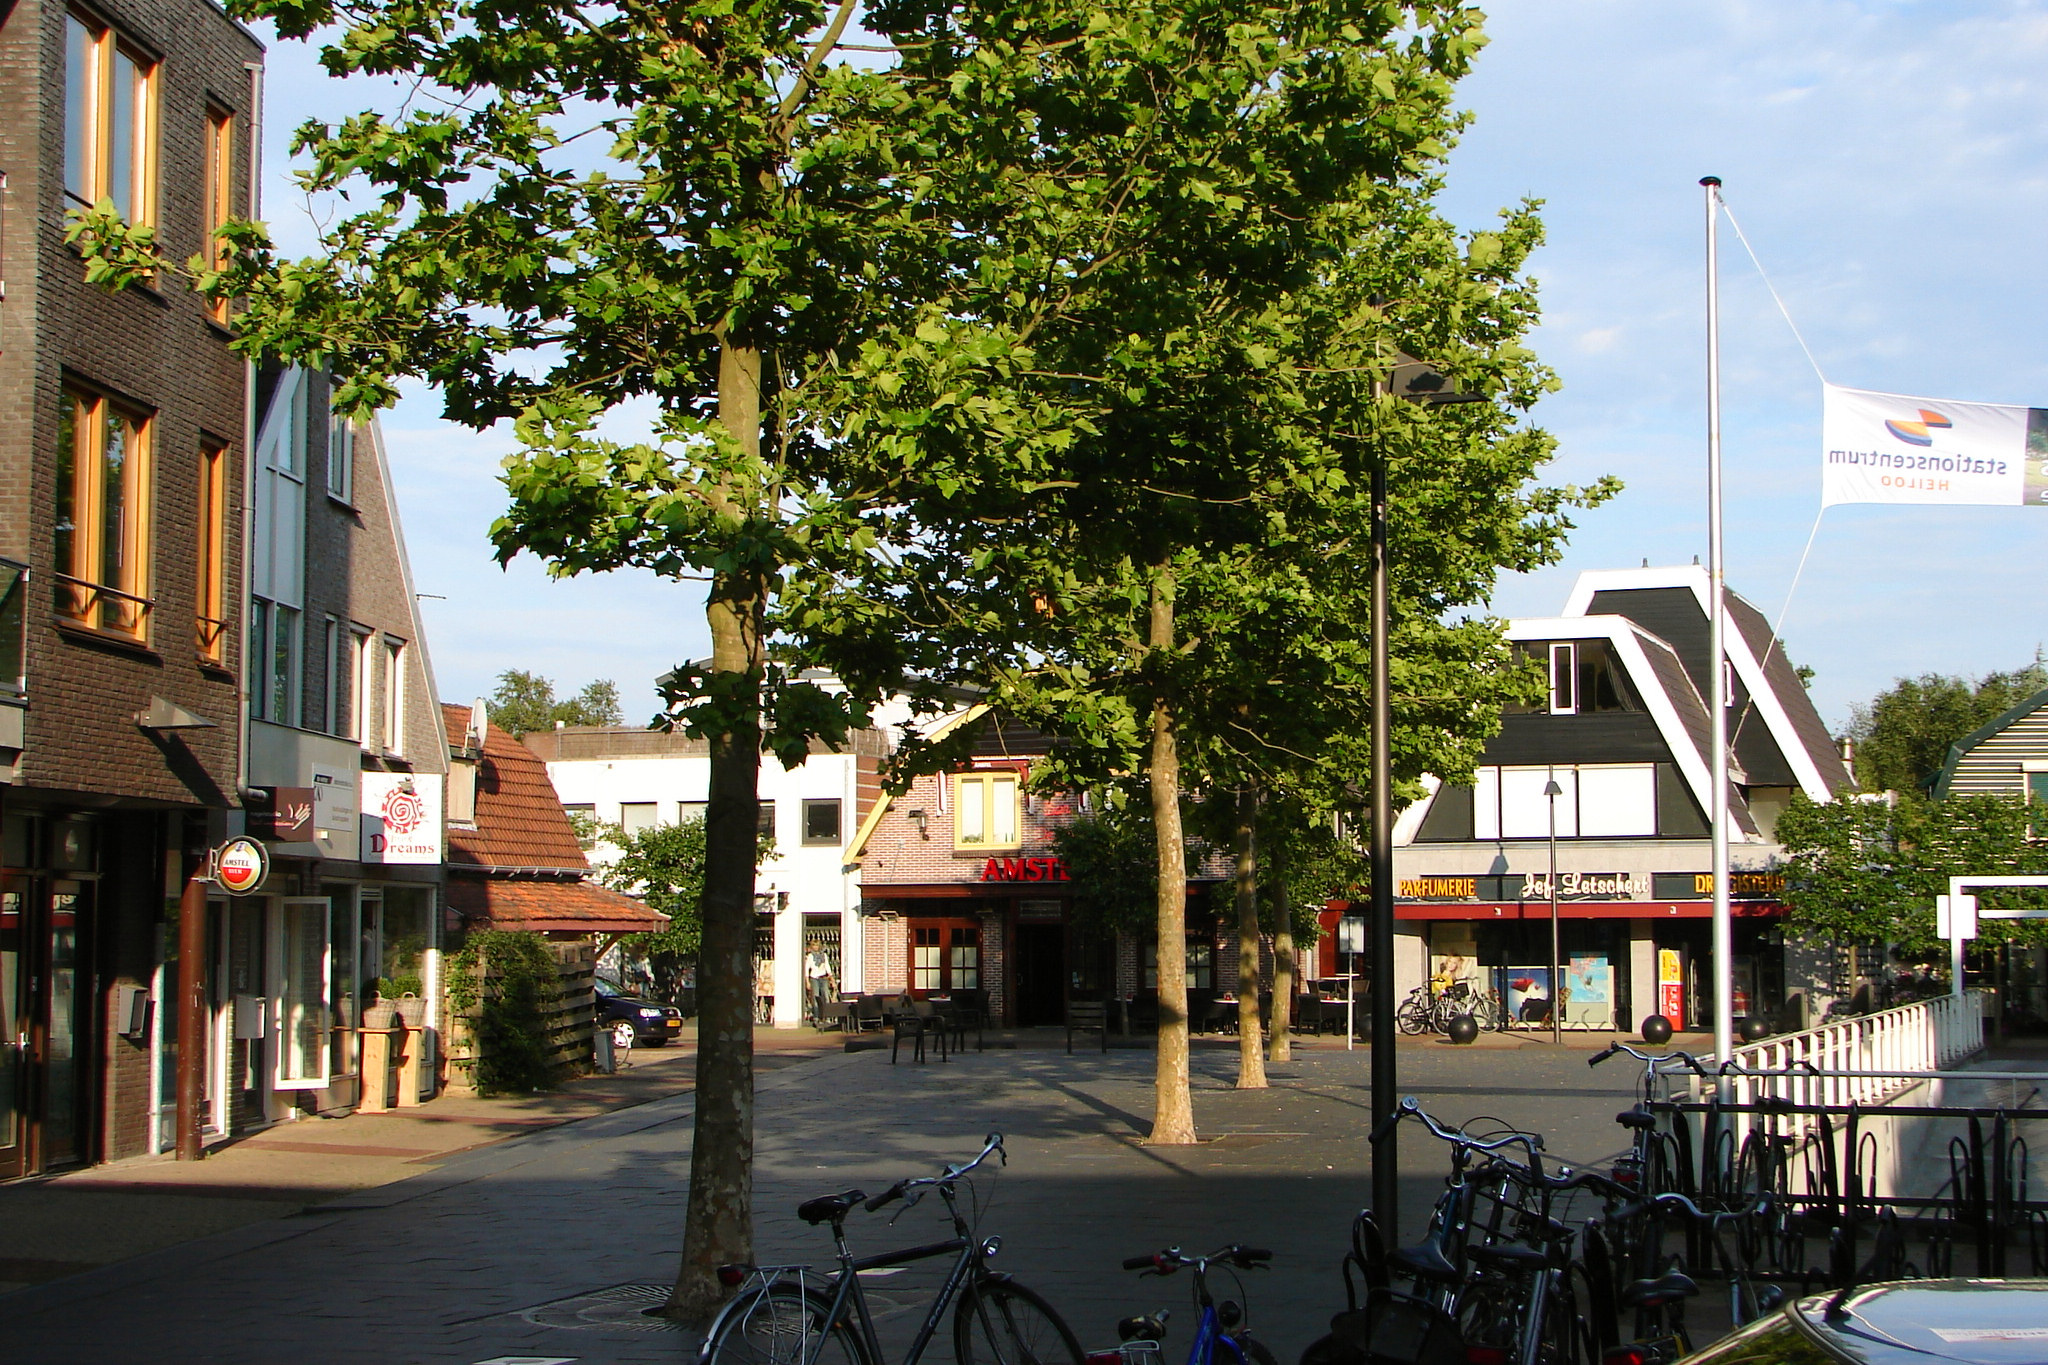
{"x": 793, "y": 1315}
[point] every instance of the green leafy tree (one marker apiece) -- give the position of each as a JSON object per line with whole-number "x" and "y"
{"x": 525, "y": 703}
{"x": 1868, "y": 871}
{"x": 1903, "y": 736}
{"x": 663, "y": 866}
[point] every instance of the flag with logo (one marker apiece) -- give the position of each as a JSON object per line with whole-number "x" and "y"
{"x": 1888, "y": 447}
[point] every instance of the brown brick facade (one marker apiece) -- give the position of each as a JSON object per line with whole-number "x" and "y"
{"x": 143, "y": 797}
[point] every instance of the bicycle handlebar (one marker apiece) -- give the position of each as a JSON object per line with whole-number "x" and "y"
{"x": 1673, "y": 1202}
{"x": 1173, "y": 1258}
{"x": 993, "y": 1143}
{"x": 1410, "y": 1105}
{"x": 1652, "y": 1059}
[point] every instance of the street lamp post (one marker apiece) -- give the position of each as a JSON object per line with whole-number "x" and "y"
{"x": 1417, "y": 383}
{"x": 1552, "y": 791}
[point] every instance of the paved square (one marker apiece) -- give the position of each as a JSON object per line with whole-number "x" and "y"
{"x": 538, "y": 1248}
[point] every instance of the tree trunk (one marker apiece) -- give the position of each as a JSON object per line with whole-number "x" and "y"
{"x": 1251, "y": 1056}
{"x": 1280, "y": 1047}
{"x": 1173, "y": 1117}
{"x": 719, "y": 1225}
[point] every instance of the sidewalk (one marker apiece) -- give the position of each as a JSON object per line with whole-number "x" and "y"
{"x": 70, "y": 1223}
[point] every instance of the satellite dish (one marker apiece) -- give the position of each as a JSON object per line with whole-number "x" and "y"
{"x": 479, "y": 720}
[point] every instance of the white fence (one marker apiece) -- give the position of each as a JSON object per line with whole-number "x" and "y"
{"x": 1855, "y": 1055}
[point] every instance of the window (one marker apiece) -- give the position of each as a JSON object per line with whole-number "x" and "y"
{"x": 103, "y": 484}
{"x": 362, "y": 693}
{"x": 1563, "y": 680}
{"x": 635, "y": 816}
{"x": 394, "y": 696}
{"x": 583, "y": 819}
{"x": 1605, "y": 801}
{"x": 686, "y": 811}
{"x": 331, "y": 678}
{"x": 1201, "y": 965}
{"x": 341, "y": 458}
{"x": 209, "y": 623}
{"x": 764, "y": 819}
{"x": 275, "y": 651}
{"x": 109, "y": 122}
{"x": 220, "y": 190}
{"x": 821, "y": 822}
{"x": 13, "y": 633}
{"x": 945, "y": 955}
{"x": 985, "y": 810}
{"x": 301, "y": 965}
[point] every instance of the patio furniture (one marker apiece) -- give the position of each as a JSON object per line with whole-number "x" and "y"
{"x": 1084, "y": 1015}
{"x": 868, "y": 1014}
{"x": 918, "y": 1020}
{"x": 969, "y": 1010}
{"x": 837, "y": 1014}
{"x": 1222, "y": 1015}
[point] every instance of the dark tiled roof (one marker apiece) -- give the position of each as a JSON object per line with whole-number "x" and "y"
{"x": 1693, "y": 713}
{"x": 541, "y": 906}
{"x": 520, "y": 822}
{"x": 1792, "y": 695}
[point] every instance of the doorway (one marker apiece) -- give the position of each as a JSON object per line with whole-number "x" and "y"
{"x": 1041, "y": 974}
{"x": 45, "y": 994}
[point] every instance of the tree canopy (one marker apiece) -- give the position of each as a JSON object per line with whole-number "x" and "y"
{"x": 525, "y": 703}
{"x": 1903, "y": 736}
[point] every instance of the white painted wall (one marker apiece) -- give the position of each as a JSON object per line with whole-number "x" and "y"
{"x": 813, "y": 877}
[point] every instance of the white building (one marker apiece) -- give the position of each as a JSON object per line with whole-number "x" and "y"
{"x": 810, "y": 902}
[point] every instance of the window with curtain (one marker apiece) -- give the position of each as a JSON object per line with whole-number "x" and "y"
{"x": 103, "y": 515}
{"x": 209, "y": 621}
{"x": 985, "y": 810}
{"x": 109, "y": 121}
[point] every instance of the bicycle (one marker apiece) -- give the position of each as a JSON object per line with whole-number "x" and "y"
{"x": 781, "y": 1317}
{"x": 1223, "y": 1327}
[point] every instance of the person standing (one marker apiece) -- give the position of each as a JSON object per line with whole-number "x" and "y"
{"x": 818, "y": 971}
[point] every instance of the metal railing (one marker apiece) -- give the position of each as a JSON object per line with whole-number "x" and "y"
{"x": 99, "y": 607}
{"x": 1860, "y": 1060}
{"x": 209, "y": 637}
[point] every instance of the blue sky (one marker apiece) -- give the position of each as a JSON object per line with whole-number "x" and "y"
{"x": 1889, "y": 163}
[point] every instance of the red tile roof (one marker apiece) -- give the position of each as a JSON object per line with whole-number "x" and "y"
{"x": 519, "y": 819}
{"x": 545, "y": 905}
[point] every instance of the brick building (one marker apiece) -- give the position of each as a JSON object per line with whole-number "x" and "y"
{"x": 961, "y": 889}
{"x": 122, "y": 430}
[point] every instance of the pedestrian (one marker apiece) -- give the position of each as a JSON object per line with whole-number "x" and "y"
{"x": 818, "y": 971}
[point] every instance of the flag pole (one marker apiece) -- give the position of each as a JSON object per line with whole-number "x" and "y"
{"x": 1717, "y": 653}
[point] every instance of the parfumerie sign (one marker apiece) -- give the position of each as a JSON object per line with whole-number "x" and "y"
{"x": 1590, "y": 886}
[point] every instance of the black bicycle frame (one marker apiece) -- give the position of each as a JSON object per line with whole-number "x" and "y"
{"x": 849, "y": 1288}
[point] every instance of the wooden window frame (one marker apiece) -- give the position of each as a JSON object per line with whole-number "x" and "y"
{"x": 95, "y": 120}
{"x": 220, "y": 195}
{"x": 209, "y": 618}
{"x": 82, "y": 597}
{"x": 392, "y": 740}
{"x": 946, "y": 947}
{"x": 989, "y": 782}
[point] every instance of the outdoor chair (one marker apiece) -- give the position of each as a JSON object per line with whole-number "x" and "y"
{"x": 1141, "y": 1014}
{"x": 917, "y": 1020}
{"x": 836, "y": 1014}
{"x": 969, "y": 1011}
{"x": 1084, "y": 1015}
{"x": 867, "y": 1014}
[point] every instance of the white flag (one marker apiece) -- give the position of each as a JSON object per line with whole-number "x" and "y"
{"x": 1888, "y": 447}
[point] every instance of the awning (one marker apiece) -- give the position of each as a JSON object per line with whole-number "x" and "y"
{"x": 1505, "y": 911}
{"x": 573, "y": 907}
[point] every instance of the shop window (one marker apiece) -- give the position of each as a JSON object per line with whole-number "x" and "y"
{"x": 109, "y": 122}
{"x": 209, "y": 622}
{"x": 1201, "y": 964}
{"x": 821, "y": 822}
{"x": 103, "y": 515}
{"x": 985, "y": 810}
{"x": 220, "y": 194}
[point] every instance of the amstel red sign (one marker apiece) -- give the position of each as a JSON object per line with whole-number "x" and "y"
{"x": 1024, "y": 870}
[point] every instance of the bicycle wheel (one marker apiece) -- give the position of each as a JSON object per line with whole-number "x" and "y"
{"x": 1250, "y": 1349}
{"x": 1413, "y": 1017}
{"x": 1000, "y": 1322}
{"x": 780, "y": 1325}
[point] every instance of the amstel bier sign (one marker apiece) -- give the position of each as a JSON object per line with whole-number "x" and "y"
{"x": 240, "y": 865}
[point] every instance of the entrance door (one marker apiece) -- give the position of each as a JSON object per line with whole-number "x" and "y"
{"x": 64, "y": 1050}
{"x": 15, "y": 1021}
{"x": 1041, "y": 974}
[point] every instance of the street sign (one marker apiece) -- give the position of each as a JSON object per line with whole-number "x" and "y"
{"x": 240, "y": 865}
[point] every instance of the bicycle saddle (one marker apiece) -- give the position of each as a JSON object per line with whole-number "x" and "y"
{"x": 1636, "y": 1118}
{"x": 829, "y": 1208}
{"x": 1425, "y": 1262}
{"x": 1508, "y": 1256}
{"x": 1666, "y": 1288}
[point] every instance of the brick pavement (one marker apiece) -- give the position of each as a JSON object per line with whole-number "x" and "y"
{"x": 455, "y": 1263}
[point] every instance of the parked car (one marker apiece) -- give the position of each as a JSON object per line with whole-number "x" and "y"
{"x": 634, "y": 1019}
{"x": 1909, "y": 1322}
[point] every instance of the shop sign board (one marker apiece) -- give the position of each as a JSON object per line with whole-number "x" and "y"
{"x": 334, "y": 800}
{"x": 240, "y": 865}
{"x": 1571, "y": 886}
{"x": 1024, "y": 870}
{"x": 400, "y": 819}
{"x": 1691, "y": 886}
{"x": 283, "y": 815}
